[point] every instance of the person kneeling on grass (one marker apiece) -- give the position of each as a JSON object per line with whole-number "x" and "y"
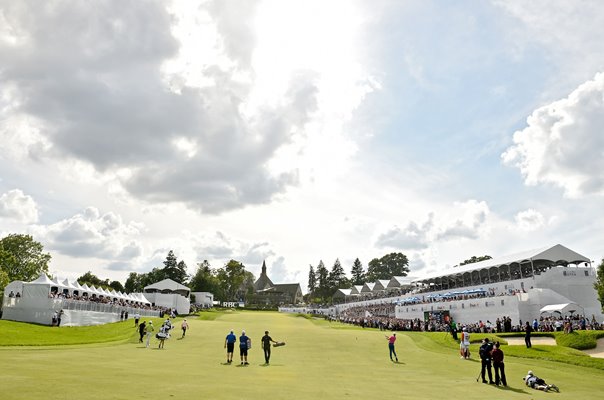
{"x": 531, "y": 380}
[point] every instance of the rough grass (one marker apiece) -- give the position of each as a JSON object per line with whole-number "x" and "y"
{"x": 321, "y": 360}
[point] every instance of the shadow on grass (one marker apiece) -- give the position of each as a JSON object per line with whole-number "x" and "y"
{"x": 399, "y": 362}
{"x": 511, "y": 389}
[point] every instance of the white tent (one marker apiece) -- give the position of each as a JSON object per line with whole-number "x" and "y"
{"x": 70, "y": 285}
{"x": 39, "y": 287}
{"x": 564, "y": 308}
{"x": 168, "y": 286}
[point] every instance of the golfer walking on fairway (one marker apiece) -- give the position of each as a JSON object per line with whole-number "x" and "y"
{"x": 391, "y": 340}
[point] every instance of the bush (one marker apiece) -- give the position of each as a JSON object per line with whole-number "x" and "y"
{"x": 580, "y": 340}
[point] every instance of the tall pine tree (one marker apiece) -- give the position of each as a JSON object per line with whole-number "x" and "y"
{"x": 358, "y": 273}
{"x": 312, "y": 281}
{"x": 337, "y": 277}
{"x": 322, "y": 281}
{"x": 177, "y": 271}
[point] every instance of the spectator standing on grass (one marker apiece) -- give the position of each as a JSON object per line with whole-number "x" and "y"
{"x": 229, "y": 344}
{"x": 485, "y": 358}
{"x": 244, "y": 346}
{"x": 391, "y": 340}
{"x": 266, "y": 346}
{"x": 527, "y": 335}
{"x": 137, "y": 317}
{"x": 498, "y": 365}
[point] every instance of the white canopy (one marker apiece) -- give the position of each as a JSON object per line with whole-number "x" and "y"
{"x": 69, "y": 285}
{"x": 168, "y": 285}
{"x": 561, "y": 308}
{"x": 43, "y": 280}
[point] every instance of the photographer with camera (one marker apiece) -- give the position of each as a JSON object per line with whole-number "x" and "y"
{"x": 533, "y": 381}
{"x": 485, "y": 356}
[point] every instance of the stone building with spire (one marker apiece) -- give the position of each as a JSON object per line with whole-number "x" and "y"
{"x": 269, "y": 294}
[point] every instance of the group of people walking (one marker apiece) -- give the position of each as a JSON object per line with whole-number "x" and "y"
{"x": 245, "y": 343}
{"x": 146, "y": 329}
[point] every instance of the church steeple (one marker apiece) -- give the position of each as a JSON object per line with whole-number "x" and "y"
{"x": 263, "y": 282}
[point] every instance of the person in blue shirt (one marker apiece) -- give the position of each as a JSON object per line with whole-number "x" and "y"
{"x": 229, "y": 344}
{"x": 244, "y": 345}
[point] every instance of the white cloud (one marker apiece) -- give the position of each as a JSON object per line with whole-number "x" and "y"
{"x": 565, "y": 29}
{"x": 16, "y": 205}
{"x": 464, "y": 220}
{"x": 411, "y": 237}
{"x": 122, "y": 97}
{"x": 563, "y": 143}
{"x": 91, "y": 234}
{"x": 529, "y": 220}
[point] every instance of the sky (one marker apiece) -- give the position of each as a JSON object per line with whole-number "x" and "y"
{"x": 295, "y": 132}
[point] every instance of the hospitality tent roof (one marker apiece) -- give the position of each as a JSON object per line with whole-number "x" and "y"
{"x": 42, "y": 279}
{"x": 561, "y": 308}
{"x": 167, "y": 285}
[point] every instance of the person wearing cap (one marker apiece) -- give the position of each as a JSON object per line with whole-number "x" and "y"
{"x": 229, "y": 344}
{"x": 244, "y": 345}
{"x": 464, "y": 343}
{"x": 149, "y": 331}
{"x": 532, "y": 381}
{"x": 266, "y": 346}
{"x": 485, "y": 358}
{"x": 391, "y": 340}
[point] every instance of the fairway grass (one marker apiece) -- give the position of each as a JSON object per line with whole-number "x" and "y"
{"x": 321, "y": 360}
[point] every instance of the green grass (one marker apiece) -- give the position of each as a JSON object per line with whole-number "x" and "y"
{"x": 22, "y": 334}
{"x": 321, "y": 360}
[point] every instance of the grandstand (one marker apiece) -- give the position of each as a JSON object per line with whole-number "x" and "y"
{"x": 549, "y": 281}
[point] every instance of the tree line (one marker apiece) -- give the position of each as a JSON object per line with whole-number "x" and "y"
{"x": 23, "y": 259}
{"x": 322, "y": 283}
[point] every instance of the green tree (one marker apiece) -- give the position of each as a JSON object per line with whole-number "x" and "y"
{"x": 393, "y": 264}
{"x": 175, "y": 270}
{"x": 3, "y": 280}
{"x": 357, "y": 272}
{"x": 475, "y": 259}
{"x": 323, "y": 288}
{"x": 312, "y": 280}
{"x": 153, "y": 276}
{"x": 117, "y": 286}
{"x": 232, "y": 279}
{"x": 599, "y": 283}
{"x": 205, "y": 280}
{"x": 134, "y": 283}
{"x": 22, "y": 258}
{"x": 91, "y": 280}
{"x": 337, "y": 277}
